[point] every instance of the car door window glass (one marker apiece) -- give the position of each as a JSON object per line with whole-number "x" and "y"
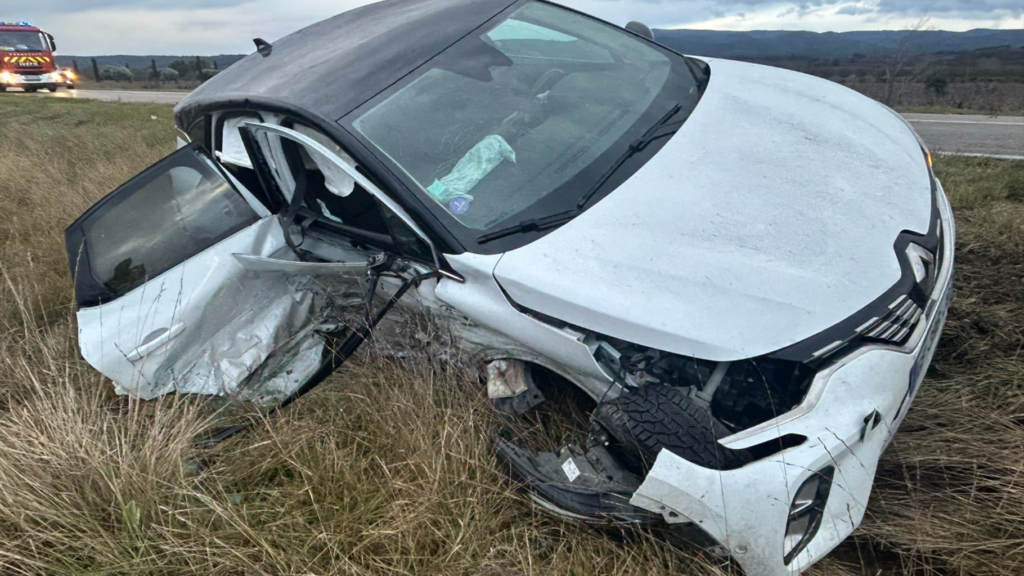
{"x": 163, "y": 217}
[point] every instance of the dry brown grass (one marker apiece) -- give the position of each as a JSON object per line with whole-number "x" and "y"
{"x": 386, "y": 472}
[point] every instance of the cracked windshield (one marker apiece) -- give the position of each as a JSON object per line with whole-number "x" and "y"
{"x": 537, "y": 98}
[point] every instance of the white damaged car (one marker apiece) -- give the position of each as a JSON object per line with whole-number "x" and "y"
{"x": 745, "y": 269}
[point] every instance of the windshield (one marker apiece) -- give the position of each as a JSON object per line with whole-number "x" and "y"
{"x": 22, "y": 41}
{"x": 515, "y": 116}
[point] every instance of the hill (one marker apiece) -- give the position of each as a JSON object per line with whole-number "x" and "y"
{"x": 774, "y": 43}
{"x": 142, "y": 62}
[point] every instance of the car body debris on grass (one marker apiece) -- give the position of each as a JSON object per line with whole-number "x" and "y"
{"x": 746, "y": 269}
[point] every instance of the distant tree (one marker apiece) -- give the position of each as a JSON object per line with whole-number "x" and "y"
{"x": 154, "y": 72}
{"x": 199, "y": 66}
{"x": 215, "y": 67}
{"x": 96, "y": 71}
{"x": 116, "y": 73}
{"x": 74, "y": 66}
{"x": 169, "y": 75}
{"x": 937, "y": 85}
{"x": 182, "y": 67}
{"x": 208, "y": 73}
{"x": 900, "y": 70}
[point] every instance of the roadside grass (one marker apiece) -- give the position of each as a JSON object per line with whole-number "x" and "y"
{"x": 389, "y": 471}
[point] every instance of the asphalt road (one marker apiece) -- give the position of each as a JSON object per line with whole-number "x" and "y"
{"x": 947, "y": 133}
{"x": 973, "y": 135}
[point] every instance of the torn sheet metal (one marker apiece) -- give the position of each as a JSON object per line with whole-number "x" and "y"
{"x": 222, "y": 362}
{"x": 285, "y": 372}
{"x": 204, "y": 326}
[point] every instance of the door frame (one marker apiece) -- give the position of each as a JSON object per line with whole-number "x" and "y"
{"x": 253, "y": 130}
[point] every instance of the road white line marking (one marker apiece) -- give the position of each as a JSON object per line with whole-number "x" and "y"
{"x": 972, "y": 155}
{"x": 970, "y": 122}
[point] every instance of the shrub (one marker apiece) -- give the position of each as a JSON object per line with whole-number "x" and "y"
{"x": 116, "y": 74}
{"x": 207, "y": 73}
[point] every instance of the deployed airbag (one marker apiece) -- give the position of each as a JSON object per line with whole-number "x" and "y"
{"x": 472, "y": 168}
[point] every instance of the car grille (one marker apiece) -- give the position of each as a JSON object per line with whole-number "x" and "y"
{"x": 896, "y": 326}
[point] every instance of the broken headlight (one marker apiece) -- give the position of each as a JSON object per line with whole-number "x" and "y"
{"x": 741, "y": 394}
{"x": 806, "y": 513}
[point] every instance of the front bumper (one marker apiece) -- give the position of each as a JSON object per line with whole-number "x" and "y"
{"x": 746, "y": 510}
{"x": 23, "y": 81}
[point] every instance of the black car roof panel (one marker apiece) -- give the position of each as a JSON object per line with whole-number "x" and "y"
{"x": 330, "y": 68}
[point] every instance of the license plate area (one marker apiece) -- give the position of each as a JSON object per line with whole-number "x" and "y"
{"x": 924, "y": 357}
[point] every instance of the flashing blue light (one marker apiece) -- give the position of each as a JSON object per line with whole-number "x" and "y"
{"x": 18, "y": 23}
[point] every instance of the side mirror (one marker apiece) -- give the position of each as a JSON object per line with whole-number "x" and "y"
{"x": 53, "y": 44}
{"x": 640, "y": 29}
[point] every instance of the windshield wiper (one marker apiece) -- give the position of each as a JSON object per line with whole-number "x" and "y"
{"x": 638, "y": 145}
{"x": 530, "y": 225}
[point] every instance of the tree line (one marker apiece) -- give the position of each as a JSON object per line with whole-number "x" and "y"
{"x": 198, "y": 70}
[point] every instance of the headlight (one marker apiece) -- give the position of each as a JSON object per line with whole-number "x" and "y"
{"x": 69, "y": 74}
{"x": 56, "y": 76}
{"x": 5, "y": 76}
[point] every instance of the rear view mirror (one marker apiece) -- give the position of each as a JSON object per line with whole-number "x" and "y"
{"x": 53, "y": 44}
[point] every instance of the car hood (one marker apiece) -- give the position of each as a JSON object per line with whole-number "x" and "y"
{"x": 769, "y": 217}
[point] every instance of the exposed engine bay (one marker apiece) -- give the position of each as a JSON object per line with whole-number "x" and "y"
{"x": 662, "y": 401}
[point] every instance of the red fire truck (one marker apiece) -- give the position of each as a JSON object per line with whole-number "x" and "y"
{"x": 26, "y": 58}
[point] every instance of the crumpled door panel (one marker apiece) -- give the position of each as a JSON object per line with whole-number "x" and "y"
{"x": 204, "y": 326}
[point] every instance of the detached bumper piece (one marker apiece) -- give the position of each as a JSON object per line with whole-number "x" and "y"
{"x": 583, "y": 485}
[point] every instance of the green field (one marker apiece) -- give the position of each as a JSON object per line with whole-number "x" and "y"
{"x": 385, "y": 470}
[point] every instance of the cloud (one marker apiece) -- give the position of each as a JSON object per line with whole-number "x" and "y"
{"x": 227, "y": 26}
{"x": 856, "y": 10}
{"x": 68, "y": 6}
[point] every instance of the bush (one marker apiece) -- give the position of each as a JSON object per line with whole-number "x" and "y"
{"x": 116, "y": 74}
{"x": 207, "y": 73}
{"x": 169, "y": 75}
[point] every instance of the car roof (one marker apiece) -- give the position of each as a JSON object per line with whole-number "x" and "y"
{"x": 328, "y": 69}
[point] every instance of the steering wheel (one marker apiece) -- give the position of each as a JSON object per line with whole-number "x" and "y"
{"x": 547, "y": 81}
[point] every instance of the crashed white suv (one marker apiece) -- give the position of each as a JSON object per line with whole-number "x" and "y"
{"x": 745, "y": 269}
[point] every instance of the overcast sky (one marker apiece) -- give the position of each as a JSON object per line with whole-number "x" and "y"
{"x": 92, "y": 27}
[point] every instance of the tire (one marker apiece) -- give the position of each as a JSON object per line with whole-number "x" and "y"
{"x": 656, "y": 416}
